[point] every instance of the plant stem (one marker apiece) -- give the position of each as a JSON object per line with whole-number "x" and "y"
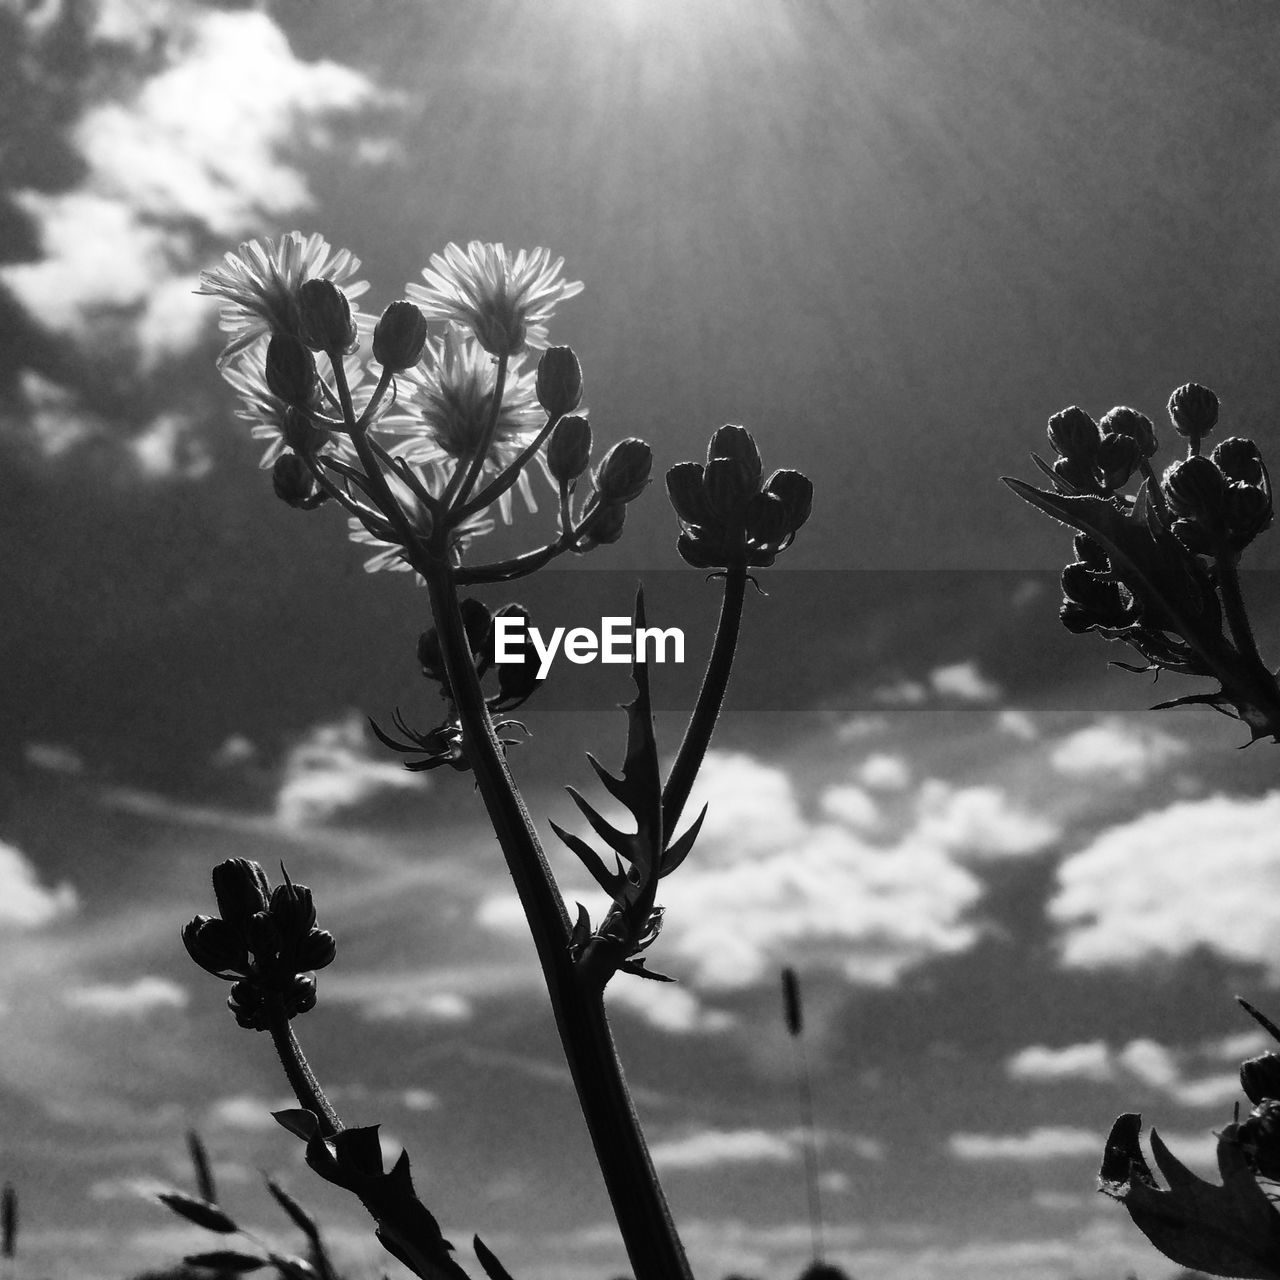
{"x": 306, "y": 1088}
{"x": 454, "y": 500}
{"x": 1233, "y": 606}
{"x": 706, "y": 711}
{"x": 648, "y": 1232}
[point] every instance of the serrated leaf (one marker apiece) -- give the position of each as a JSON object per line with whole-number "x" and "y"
{"x": 227, "y": 1260}
{"x": 589, "y": 859}
{"x": 678, "y": 851}
{"x": 492, "y": 1267}
{"x": 1226, "y": 1230}
{"x": 301, "y": 1218}
{"x": 201, "y": 1212}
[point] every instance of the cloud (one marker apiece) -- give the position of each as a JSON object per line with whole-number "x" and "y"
{"x": 1203, "y": 873}
{"x": 1018, "y": 724}
{"x": 53, "y": 756}
{"x": 980, "y": 820}
{"x": 1038, "y": 1062}
{"x": 1115, "y": 748}
{"x": 666, "y": 1006}
{"x": 711, "y": 1147}
{"x": 1047, "y": 1142}
{"x": 331, "y": 769}
{"x": 883, "y": 772}
{"x": 134, "y": 999}
{"x": 247, "y": 1112}
{"x": 24, "y": 901}
{"x": 964, "y": 681}
{"x": 852, "y": 806}
{"x": 426, "y": 1005}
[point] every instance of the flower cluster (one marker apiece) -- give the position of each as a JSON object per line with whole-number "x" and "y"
{"x": 436, "y": 429}
{"x": 263, "y": 940}
{"x": 727, "y": 515}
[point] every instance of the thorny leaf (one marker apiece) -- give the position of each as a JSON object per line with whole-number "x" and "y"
{"x": 492, "y": 1267}
{"x": 1227, "y": 1230}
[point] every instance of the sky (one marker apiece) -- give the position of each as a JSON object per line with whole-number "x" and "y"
{"x": 891, "y": 238}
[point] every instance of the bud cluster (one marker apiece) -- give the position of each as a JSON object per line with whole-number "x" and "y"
{"x": 263, "y": 940}
{"x": 728, "y": 516}
{"x": 620, "y": 477}
{"x": 1100, "y": 457}
{"x": 1224, "y": 498}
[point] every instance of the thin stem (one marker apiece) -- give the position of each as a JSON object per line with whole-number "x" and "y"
{"x": 710, "y": 699}
{"x": 804, "y": 1090}
{"x": 455, "y": 499}
{"x": 384, "y": 381}
{"x": 1225, "y": 562}
{"x": 643, "y": 1217}
{"x": 306, "y": 1088}
{"x": 492, "y": 492}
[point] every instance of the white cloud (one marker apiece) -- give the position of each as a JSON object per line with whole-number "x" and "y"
{"x": 963, "y": 680}
{"x": 883, "y": 772}
{"x": 712, "y": 1147}
{"x": 331, "y": 769}
{"x": 1151, "y": 1062}
{"x": 904, "y": 693}
{"x": 1047, "y": 1142}
{"x": 666, "y": 1005}
{"x": 53, "y": 756}
{"x": 852, "y": 806}
{"x": 1198, "y": 873}
{"x": 24, "y": 901}
{"x": 128, "y": 999}
{"x": 1116, "y": 748}
{"x": 1017, "y": 724}
{"x": 169, "y": 446}
{"x": 752, "y": 807}
{"x": 419, "y": 1100}
{"x": 1086, "y": 1061}
{"x": 424, "y": 1005}
{"x": 249, "y": 1113}
{"x": 980, "y": 820}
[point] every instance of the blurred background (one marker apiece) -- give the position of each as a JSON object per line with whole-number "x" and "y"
{"x": 891, "y": 237}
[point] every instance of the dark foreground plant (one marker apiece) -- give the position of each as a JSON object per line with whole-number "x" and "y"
{"x": 1159, "y": 568}
{"x": 419, "y": 448}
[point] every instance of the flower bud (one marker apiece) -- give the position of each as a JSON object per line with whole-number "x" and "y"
{"x": 1193, "y": 410}
{"x": 1118, "y": 455}
{"x": 1260, "y": 1077}
{"x": 569, "y": 449}
{"x": 324, "y": 318}
{"x": 263, "y": 938}
{"x": 1129, "y": 422}
{"x": 1196, "y": 489}
{"x": 602, "y": 526}
{"x": 298, "y": 432}
{"x": 767, "y": 519}
{"x": 1239, "y": 459}
{"x": 1078, "y": 473}
{"x": 1074, "y": 434}
{"x": 1248, "y": 512}
{"x": 795, "y": 489}
{"x": 623, "y": 473}
{"x": 293, "y": 482}
{"x": 559, "y": 381}
{"x": 1099, "y": 596}
{"x": 316, "y": 950}
{"x": 684, "y": 488}
{"x": 1091, "y": 553}
{"x": 399, "y": 336}
{"x": 1259, "y": 1135}
{"x": 240, "y": 886}
{"x": 726, "y": 489}
{"x": 215, "y": 947}
{"x": 291, "y": 370}
{"x": 293, "y": 910}
{"x": 736, "y": 444}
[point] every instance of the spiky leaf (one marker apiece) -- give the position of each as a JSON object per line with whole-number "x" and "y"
{"x": 201, "y": 1212}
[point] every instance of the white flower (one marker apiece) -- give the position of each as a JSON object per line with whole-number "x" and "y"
{"x": 260, "y": 283}
{"x": 448, "y": 407}
{"x": 504, "y": 301}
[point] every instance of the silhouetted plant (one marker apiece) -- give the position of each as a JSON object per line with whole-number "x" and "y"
{"x": 1159, "y": 569}
{"x": 419, "y": 449}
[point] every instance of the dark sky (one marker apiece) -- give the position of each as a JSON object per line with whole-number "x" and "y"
{"x": 892, "y": 238}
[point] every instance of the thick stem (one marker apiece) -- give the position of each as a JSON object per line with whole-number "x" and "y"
{"x": 648, "y": 1232}
{"x": 702, "y": 723}
{"x": 1233, "y": 606}
{"x": 306, "y": 1088}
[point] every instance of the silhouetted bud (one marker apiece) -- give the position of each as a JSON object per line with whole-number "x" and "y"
{"x": 1248, "y": 512}
{"x": 569, "y": 449}
{"x": 516, "y": 680}
{"x": 1076, "y": 617}
{"x": 316, "y": 950}
{"x": 1099, "y": 597}
{"x": 1118, "y": 455}
{"x": 795, "y": 489}
{"x": 240, "y": 886}
{"x": 1074, "y": 434}
{"x": 559, "y": 381}
{"x": 1260, "y": 1077}
{"x": 623, "y": 473}
{"x": 684, "y": 488}
{"x": 1196, "y": 489}
{"x": 602, "y": 526}
{"x": 1197, "y": 539}
{"x": 1259, "y": 1135}
{"x": 293, "y": 482}
{"x": 293, "y": 909}
{"x": 399, "y": 336}
{"x": 1129, "y": 422}
{"x": 1193, "y": 410}
{"x": 1239, "y": 459}
{"x": 291, "y": 370}
{"x": 215, "y": 946}
{"x": 1078, "y": 473}
{"x": 766, "y": 519}
{"x": 737, "y": 445}
{"x": 324, "y": 318}
{"x": 1091, "y": 553}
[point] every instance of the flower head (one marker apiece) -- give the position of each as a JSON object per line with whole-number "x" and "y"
{"x": 260, "y": 283}
{"x": 449, "y": 404}
{"x": 505, "y": 301}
